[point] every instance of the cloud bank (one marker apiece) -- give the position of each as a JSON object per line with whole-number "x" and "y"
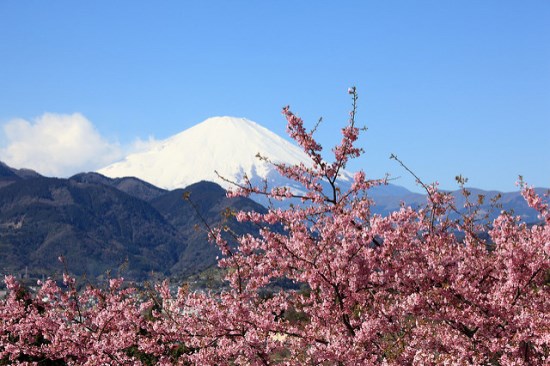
{"x": 60, "y": 145}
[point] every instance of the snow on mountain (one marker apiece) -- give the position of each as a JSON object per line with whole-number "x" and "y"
{"x": 227, "y": 145}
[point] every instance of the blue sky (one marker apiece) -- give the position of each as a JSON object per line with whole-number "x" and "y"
{"x": 451, "y": 87}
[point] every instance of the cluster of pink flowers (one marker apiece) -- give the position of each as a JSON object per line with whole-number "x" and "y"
{"x": 415, "y": 287}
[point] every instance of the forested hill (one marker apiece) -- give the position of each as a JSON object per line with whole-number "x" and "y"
{"x": 99, "y": 225}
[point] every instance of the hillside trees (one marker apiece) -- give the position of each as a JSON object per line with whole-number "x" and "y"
{"x": 418, "y": 286}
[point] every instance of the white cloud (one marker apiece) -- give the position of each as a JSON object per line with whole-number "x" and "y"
{"x": 58, "y": 145}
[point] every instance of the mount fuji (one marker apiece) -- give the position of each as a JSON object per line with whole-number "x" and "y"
{"x": 226, "y": 145}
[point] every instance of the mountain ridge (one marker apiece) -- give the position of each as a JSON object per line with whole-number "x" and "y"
{"x": 102, "y": 225}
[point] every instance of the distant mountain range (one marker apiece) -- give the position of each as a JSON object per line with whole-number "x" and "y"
{"x": 504, "y": 201}
{"x": 130, "y": 227}
{"x": 132, "y": 219}
{"x": 229, "y": 145}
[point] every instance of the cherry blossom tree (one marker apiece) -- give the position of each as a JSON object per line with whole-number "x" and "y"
{"x": 418, "y": 286}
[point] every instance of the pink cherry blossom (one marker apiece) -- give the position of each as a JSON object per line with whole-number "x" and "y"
{"x": 415, "y": 287}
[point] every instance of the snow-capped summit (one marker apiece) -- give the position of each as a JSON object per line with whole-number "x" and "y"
{"x": 227, "y": 145}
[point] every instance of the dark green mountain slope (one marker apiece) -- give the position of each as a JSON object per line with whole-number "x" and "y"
{"x": 211, "y": 204}
{"x": 125, "y": 226}
{"x": 95, "y": 227}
